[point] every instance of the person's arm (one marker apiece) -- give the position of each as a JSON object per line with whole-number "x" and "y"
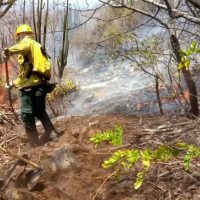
{"x": 21, "y": 48}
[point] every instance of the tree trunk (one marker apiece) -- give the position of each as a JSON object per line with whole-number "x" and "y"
{"x": 39, "y": 19}
{"x": 194, "y": 107}
{"x": 24, "y": 11}
{"x": 45, "y": 25}
{"x": 34, "y": 21}
{"x": 62, "y": 61}
{"x": 158, "y": 96}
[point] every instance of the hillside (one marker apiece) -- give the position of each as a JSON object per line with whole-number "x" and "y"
{"x": 72, "y": 166}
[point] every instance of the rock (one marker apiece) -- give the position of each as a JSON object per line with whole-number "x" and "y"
{"x": 75, "y": 132}
{"x": 63, "y": 159}
{"x": 91, "y": 124}
{"x": 59, "y": 118}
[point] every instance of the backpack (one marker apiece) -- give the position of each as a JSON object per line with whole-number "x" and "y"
{"x": 41, "y": 61}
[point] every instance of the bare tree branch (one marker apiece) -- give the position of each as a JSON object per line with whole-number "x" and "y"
{"x": 81, "y": 24}
{"x": 169, "y": 7}
{"x": 194, "y": 3}
{"x": 139, "y": 11}
{"x": 176, "y": 13}
{"x": 8, "y": 5}
{"x": 192, "y": 10}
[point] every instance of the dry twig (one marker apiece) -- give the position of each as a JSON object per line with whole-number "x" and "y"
{"x": 100, "y": 187}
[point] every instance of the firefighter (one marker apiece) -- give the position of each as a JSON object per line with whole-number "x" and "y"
{"x": 32, "y": 85}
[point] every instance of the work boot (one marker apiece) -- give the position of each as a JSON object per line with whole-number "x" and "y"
{"x": 49, "y": 127}
{"x": 32, "y": 135}
{"x": 53, "y": 135}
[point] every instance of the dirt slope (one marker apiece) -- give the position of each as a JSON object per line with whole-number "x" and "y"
{"x": 86, "y": 180}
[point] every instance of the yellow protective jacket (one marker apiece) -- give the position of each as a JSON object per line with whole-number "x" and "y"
{"x": 23, "y": 49}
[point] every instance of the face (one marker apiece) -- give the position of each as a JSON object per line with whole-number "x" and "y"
{"x": 21, "y": 36}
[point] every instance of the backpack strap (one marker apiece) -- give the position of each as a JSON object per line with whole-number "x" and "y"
{"x": 44, "y": 52}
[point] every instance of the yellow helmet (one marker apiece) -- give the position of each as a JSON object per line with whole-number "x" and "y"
{"x": 24, "y": 28}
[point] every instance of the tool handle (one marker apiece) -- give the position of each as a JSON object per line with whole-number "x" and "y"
{"x": 20, "y": 157}
{"x": 8, "y": 82}
{"x": 7, "y": 73}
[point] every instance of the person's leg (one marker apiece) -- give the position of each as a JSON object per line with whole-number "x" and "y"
{"x": 41, "y": 114}
{"x": 48, "y": 126}
{"x": 28, "y": 117}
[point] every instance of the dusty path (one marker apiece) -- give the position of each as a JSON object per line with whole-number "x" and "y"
{"x": 83, "y": 179}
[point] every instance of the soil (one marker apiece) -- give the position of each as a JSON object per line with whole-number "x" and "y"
{"x": 87, "y": 180}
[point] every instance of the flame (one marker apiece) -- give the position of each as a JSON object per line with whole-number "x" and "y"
{"x": 186, "y": 95}
{"x": 164, "y": 100}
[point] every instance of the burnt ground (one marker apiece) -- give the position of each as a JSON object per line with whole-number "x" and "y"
{"x": 85, "y": 179}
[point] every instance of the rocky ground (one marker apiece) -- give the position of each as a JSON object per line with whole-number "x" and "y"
{"x": 72, "y": 165}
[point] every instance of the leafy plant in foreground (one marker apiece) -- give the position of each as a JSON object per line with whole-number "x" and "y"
{"x": 192, "y": 152}
{"x": 112, "y": 136}
{"x": 124, "y": 159}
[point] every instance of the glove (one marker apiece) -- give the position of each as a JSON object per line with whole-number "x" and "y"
{"x": 5, "y": 55}
{"x": 9, "y": 86}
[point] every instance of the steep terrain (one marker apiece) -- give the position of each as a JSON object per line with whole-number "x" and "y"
{"x": 72, "y": 165}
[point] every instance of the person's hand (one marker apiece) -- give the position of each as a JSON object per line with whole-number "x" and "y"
{"x": 5, "y": 55}
{"x": 9, "y": 86}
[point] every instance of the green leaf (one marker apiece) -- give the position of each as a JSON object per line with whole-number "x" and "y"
{"x": 188, "y": 52}
{"x": 193, "y": 45}
{"x": 182, "y": 53}
{"x": 146, "y": 157}
{"x": 197, "y": 50}
{"x": 182, "y": 145}
{"x": 165, "y": 153}
{"x": 133, "y": 156}
{"x": 183, "y": 59}
{"x": 192, "y": 152}
{"x": 180, "y": 65}
{"x": 114, "y": 158}
{"x": 139, "y": 180}
{"x": 186, "y": 162}
{"x": 187, "y": 64}
{"x": 117, "y": 136}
